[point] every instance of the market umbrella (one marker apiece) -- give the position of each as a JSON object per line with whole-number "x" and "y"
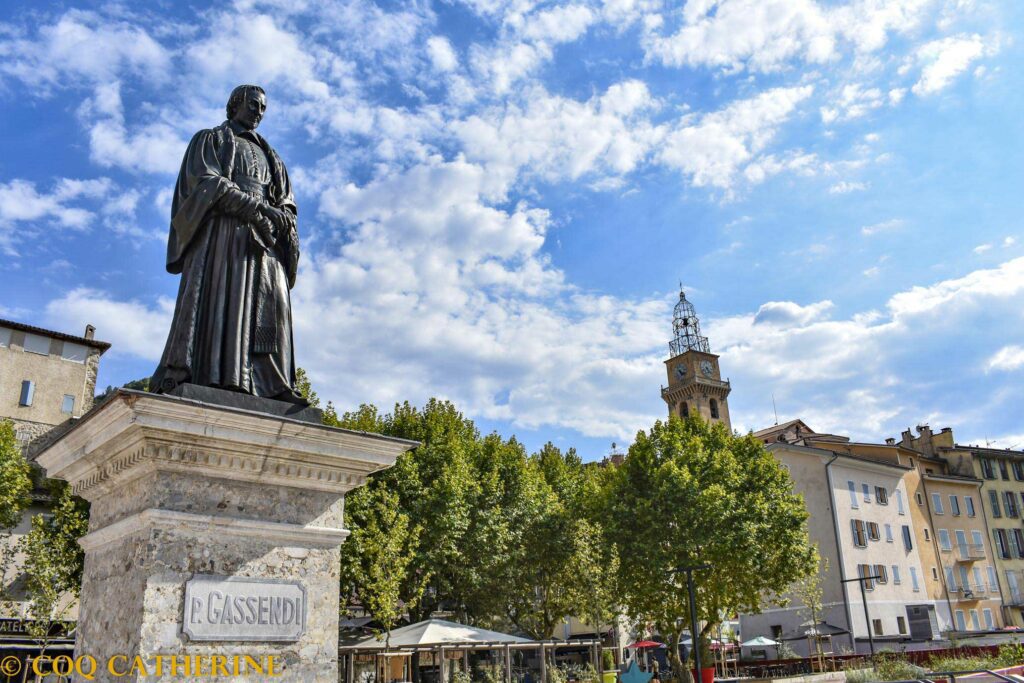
{"x": 645, "y": 644}
{"x": 760, "y": 641}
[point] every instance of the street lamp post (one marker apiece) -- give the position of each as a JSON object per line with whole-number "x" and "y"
{"x": 693, "y": 612}
{"x": 864, "y": 601}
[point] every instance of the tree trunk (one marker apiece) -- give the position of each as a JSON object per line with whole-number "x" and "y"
{"x": 679, "y": 668}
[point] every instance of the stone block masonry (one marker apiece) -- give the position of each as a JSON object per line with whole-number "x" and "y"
{"x": 211, "y": 501}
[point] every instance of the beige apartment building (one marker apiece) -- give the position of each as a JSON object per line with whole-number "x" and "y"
{"x": 999, "y": 509}
{"x": 954, "y": 547}
{"x": 46, "y": 377}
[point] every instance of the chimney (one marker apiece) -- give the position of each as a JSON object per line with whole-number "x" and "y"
{"x": 890, "y": 441}
{"x": 90, "y": 331}
{"x": 924, "y": 430}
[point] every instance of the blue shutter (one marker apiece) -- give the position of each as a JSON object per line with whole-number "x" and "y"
{"x": 28, "y": 390}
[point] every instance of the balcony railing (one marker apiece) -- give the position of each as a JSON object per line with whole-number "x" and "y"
{"x": 970, "y": 552}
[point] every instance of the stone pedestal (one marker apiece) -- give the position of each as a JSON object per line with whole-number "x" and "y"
{"x": 185, "y": 493}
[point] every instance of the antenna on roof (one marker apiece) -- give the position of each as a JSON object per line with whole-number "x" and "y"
{"x": 775, "y": 409}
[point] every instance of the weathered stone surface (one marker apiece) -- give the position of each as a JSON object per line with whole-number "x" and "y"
{"x": 180, "y": 489}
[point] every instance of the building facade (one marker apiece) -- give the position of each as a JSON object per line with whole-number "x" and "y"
{"x": 46, "y": 377}
{"x": 998, "y": 510}
{"x": 695, "y": 384}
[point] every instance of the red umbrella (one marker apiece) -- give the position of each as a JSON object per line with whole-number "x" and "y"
{"x": 645, "y": 644}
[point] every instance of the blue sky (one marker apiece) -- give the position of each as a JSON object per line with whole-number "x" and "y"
{"x": 497, "y": 200}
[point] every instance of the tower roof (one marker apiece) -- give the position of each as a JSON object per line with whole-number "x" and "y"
{"x": 686, "y": 334}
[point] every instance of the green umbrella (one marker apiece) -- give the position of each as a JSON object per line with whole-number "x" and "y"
{"x": 760, "y": 641}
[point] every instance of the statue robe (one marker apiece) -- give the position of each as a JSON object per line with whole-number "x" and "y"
{"x": 232, "y": 325}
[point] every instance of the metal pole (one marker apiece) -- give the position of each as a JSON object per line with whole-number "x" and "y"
{"x": 693, "y": 626}
{"x": 867, "y": 619}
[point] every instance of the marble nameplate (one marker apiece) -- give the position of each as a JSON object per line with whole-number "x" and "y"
{"x": 238, "y": 608}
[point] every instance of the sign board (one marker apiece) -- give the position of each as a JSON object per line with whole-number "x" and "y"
{"x": 243, "y": 609}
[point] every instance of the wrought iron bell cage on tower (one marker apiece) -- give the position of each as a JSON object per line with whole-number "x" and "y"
{"x": 686, "y": 329}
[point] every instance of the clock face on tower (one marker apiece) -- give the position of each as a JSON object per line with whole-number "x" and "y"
{"x": 680, "y": 371}
{"x": 706, "y": 367}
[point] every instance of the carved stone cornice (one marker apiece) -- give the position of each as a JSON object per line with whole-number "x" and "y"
{"x": 136, "y": 433}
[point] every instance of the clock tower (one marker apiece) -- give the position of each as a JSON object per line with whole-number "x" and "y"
{"x": 695, "y": 384}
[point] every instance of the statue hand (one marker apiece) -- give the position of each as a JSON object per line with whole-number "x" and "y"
{"x": 265, "y": 231}
{"x": 282, "y": 219}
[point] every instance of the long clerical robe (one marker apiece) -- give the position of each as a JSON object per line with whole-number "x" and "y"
{"x": 232, "y": 325}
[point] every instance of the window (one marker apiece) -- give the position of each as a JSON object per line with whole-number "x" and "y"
{"x": 1002, "y": 545}
{"x": 1010, "y": 498}
{"x": 969, "y": 504}
{"x": 888, "y": 533}
{"x": 920, "y": 499}
{"x": 927, "y": 536}
{"x": 76, "y": 353}
{"x": 35, "y": 343}
{"x": 913, "y": 579}
{"x": 987, "y": 469}
{"x": 28, "y": 391}
{"x": 853, "y": 494}
{"x": 859, "y": 537}
{"x": 896, "y": 574}
{"x": 965, "y": 583}
{"x": 1014, "y": 548}
{"x": 993, "y": 499}
{"x": 944, "y": 543}
{"x": 975, "y": 624}
{"x": 937, "y": 504}
{"x": 876, "y": 625}
{"x": 1018, "y": 469}
{"x": 776, "y": 631}
{"x": 5, "y": 336}
{"x": 979, "y": 583}
{"x": 864, "y": 572}
{"x": 867, "y": 492}
{"x": 882, "y": 573}
{"x": 899, "y": 501}
{"x": 977, "y": 541}
{"x": 993, "y": 585}
{"x": 1019, "y": 536}
{"x": 901, "y": 625}
{"x": 714, "y": 409}
{"x": 684, "y": 409}
{"x": 950, "y": 579}
{"x": 990, "y": 623}
{"x": 961, "y": 625}
{"x": 881, "y": 495}
{"x": 873, "y": 531}
{"x": 935, "y": 574}
{"x": 908, "y": 541}
{"x": 961, "y": 543}
{"x": 1003, "y": 470}
{"x": 954, "y": 506}
{"x": 67, "y": 406}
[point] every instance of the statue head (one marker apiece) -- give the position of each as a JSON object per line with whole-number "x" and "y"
{"x": 246, "y": 106}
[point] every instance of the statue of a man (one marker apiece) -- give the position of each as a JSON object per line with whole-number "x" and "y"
{"x": 234, "y": 242}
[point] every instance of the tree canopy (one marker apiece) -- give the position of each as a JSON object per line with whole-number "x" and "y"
{"x": 690, "y": 493}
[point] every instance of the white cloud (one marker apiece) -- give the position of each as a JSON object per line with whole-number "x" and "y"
{"x": 1008, "y": 358}
{"x": 789, "y": 314}
{"x": 713, "y": 149}
{"x": 982, "y": 248}
{"x": 884, "y": 226}
{"x": 852, "y": 101}
{"x": 132, "y": 327}
{"x": 847, "y": 186}
{"x": 82, "y": 45}
{"x": 22, "y": 202}
{"x": 947, "y": 58}
{"x": 441, "y": 54}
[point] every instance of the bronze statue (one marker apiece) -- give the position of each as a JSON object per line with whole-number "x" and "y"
{"x": 233, "y": 239}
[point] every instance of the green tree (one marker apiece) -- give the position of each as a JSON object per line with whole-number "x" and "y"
{"x": 15, "y": 478}
{"x": 54, "y": 560}
{"x": 378, "y": 555}
{"x": 15, "y": 490}
{"x": 691, "y": 493}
